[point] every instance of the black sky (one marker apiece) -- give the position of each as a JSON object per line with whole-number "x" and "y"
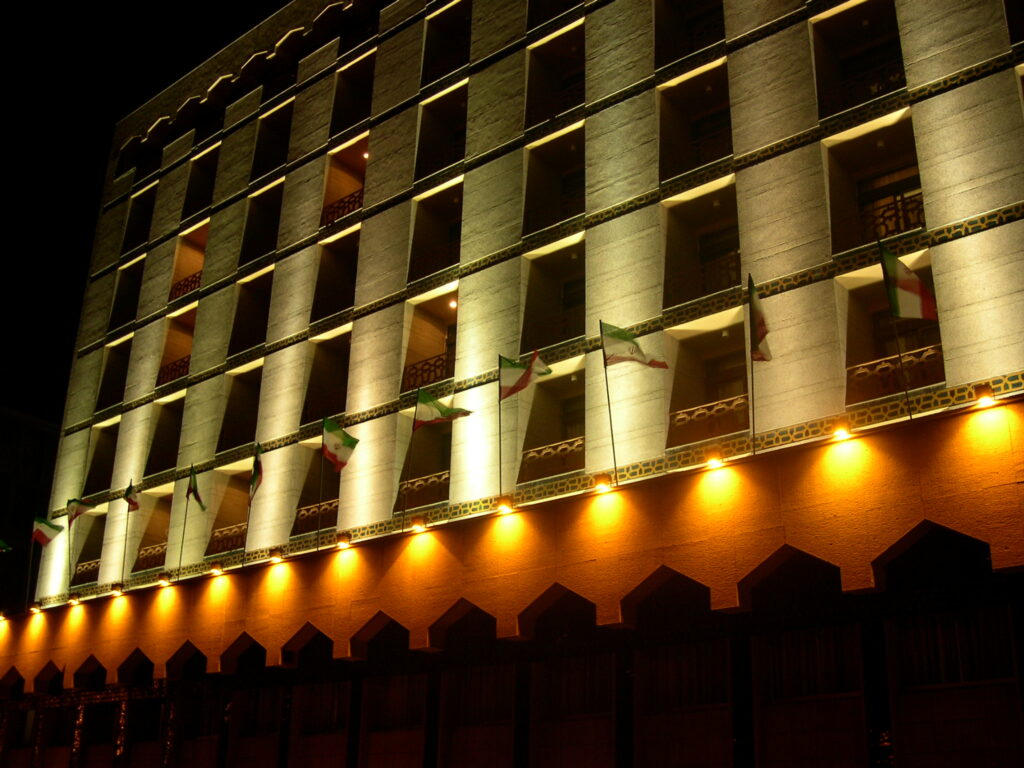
{"x": 73, "y": 70}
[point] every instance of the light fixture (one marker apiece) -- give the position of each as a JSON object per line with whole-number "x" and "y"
{"x": 841, "y": 429}
{"x": 276, "y": 556}
{"x": 984, "y": 395}
{"x": 2, "y": 618}
{"x": 366, "y": 155}
{"x": 216, "y": 569}
{"x": 602, "y": 482}
{"x": 164, "y": 579}
{"x": 453, "y": 304}
{"x": 504, "y": 505}
{"x": 73, "y": 599}
{"x": 344, "y": 540}
{"x": 34, "y": 608}
{"x": 418, "y": 524}
{"x": 713, "y": 457}
{"x": 116, "y": 590}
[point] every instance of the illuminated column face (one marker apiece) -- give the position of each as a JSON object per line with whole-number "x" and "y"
{"x": 283, "y": 389}
{"x": 286, "y": 471}
{"x": 474, "y": 459}
{"x": 370, "y": 481}
{"x": 806, "y": 377}
{"x": 980, "y": 299}
{"x": 83, "y": 386}
{"x": 783, "y": 216}
{"x": 294, "y": 277}
{"x": 622, "y": 161}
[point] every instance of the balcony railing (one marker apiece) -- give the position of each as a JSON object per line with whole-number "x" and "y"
{"x": 316, "y": 517}
{"x": 227, "y": 539}
{"x": 884, "y": 219}
{"x": 186, "y": 285}
{"x": 86, "y": 572}
{"x": 420, "y": 491}
{"x": 341, "y": 207}
{"x": 150, "y": 557}
{"x": 436, "y": 368}
{"x": 173, "y": 370}
{"x": 554, "y": 459}
{"x": 887, "y": 376}
{"x": 703, "y": 422}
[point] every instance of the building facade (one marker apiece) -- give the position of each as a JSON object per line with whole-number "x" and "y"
{"x": 358, "y": 202}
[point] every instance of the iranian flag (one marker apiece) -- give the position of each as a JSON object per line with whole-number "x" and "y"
{"x": 76, "y": 508}
{"x": 44, "y": 531}
{"x": 514, "y": 376}
{"x": 256, "y": 476}
{"x": 620, "y": 346}
{"x": 908, "y": 295}
{"x": 4, "y": 546}
{"x": 337, "y": 445}
{"x": 758, "y": 325}
{"x": 193, "y": 488}
{"x": 131, "y": 496}
{"x": 429, "y": 410}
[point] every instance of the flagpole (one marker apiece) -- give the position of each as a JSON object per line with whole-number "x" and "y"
{"x": 28, "y": 576}
{"x": 408, "y": 458}
{"x": 68, "y": 511}
{"x": 608, "y": 402}
{"x": 500, "y": 466}
{"x": 124, "y": 551}
{"x": 320, "y": 502}
{"x": 184, "y": 522}
{"x": 248, "y": 511}
{"x": 750, "y": 404}
{"x": 896, "y": 329}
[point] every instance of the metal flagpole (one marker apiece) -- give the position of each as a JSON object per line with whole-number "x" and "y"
{"x": 408, "y": 458}
{"x": 184, "y": 522}
{"x": 750, "y": 404}
{"x": 899, "y": 339}
{"x": 608, "y": 400}
{"x": 127, "y": 513}
{"x": 320, "y": 502}
{"x": 501, "y": 489}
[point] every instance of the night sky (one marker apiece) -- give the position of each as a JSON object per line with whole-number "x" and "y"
{"x": 87, "y": 66}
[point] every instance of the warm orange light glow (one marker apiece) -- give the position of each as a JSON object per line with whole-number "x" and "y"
{"x": 453, "y": 304}
{"x": 117, "y": 592}
{"x": 985, "y": 395}
{"x": 344, "y": 540}
{"x": 841, "y": 432}
{"x": 602, "y": 483}
{"x": 216, "y": 570}
{"x": 275, "y": 559}
{"x": 2, "y": 618}
{"x": 418, "y": 525}
{"x": 504, "y": 506}
{"x": 715, "y": 462}
{"x": 73, "y": 600}
{"x": 164, "y": 581}
{"x": 985, "y": 402}
{"x": 713, "y": 457}
{"x": 35, "y": 608}
{"x": 366, "y": 155}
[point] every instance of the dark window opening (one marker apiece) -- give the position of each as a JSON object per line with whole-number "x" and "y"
{"x": 336, "y": 277}
{"x": 239, "y": 425}
{"x": 202, "y": 173}
{"x": 555, "y": 442}
{"x": 555, "y": 298}
{"x": 231, "y": 524}
{"x": 140, "y": 218}
{"x": 442, "y": 137}
{"x": 328, "y": 379}
{"x": 262, "y": 220}
{"x": 555, "y": 182}
{"x": 252, "y": 313}
{"x": 353, "y": 94}
{"x": 426, "y": 470}
{"x": 102, "y": 447}
{"x": 446, "y": 47}
{"x": 115, "y": 374}
{"x": 437, "y": 232}
{"x": 163, "y": 451}
{"x": 177, "y": 355}
{"x": 682, "y": 27}
{"x": 541, "y": 11}
{"x": 556, "y": 76}
{"x": 189, "y": 260}
{"x": 152, "y": 551}
{"x": 272, "y": 134}
{"x": 126, "y": 294}
{"x": 89, "y": 529}
{"x": 696, "y": 128}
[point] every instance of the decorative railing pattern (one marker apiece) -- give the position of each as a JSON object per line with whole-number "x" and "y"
{"x": 173, "y": 370}
{"x": 227, "y": 539}
{"x": 880, "y": 220}
{"x": 150, "y": 557}
{"x": 428, "y": 371}
{"x": 186, "y": 285}
{"x": 341, "y": 207}
{"x": 889, "y": 375}
{"x": 553, "y": 459}
{"x": 419, "y": 491}
{"x": 703, "y": 422}
{"x": 86, "y": 571}
{"x": 315, "y": 517}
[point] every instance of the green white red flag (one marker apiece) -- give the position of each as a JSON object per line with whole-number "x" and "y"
{"x": 337, "y": 445}
{"x": 430, "y": 410}
{"x": 76, "y": 508}
{"x": 256, "y": 476}
{"x": 621, "y": 346}
{"x": 193, "y": 488}
{"x": 4, "y": 546}
{"x": 758, "y": 325}
{"x": 514, "y": 376}
{"x": 131, "y": 496}
{"x": 908, "y": 295}
{"x": 44, "y": 531}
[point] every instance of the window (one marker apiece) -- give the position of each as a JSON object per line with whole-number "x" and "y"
{"x": 353, "y": 92}
{"x": 272, "y": 134}
{"x": 556, "y": 74}
{"x": 152, "y": 551}
{"x": 873, "y": 184}
{"x": 177, "y": 355}
{"x": 163, "y": 450}
{"x": 88, "y": 529}
{"x": 127, "y": 286}
{"x": 555, "y": 180}
{"x": 540, "y": 11}
{"x": 240, "y": 413}
{"x": 446, "y": 46}
{"x": 202, "y": 173}
{"x": 554, "y": 443}
{"x": 702, "y": 244}
{"x": 252, "y": 312}
{"x": 140, "y": 218}
{"x": 262, "y": 220}
{"x": 857, "y": 55}
{"x": 102, "y": 447}
{"x": 437, "y": 230}
{"x": 682, "y": 27}
{"x": 555, "y": 295}
{"x": 709, "y": 387}
{"x": 232, "y": 513}
{"x": 426, "y": 469}
{"x": 430, "y": 355}
{"x": 328, "y": 379}
{"x": 695, "y": 126}
{"x": 189, "y": 259}
{"x": 442, "y": 135}
{"x": 336, "y": 276}
{"x": 115, "y": 373}
{"x": 346, "y": 174}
